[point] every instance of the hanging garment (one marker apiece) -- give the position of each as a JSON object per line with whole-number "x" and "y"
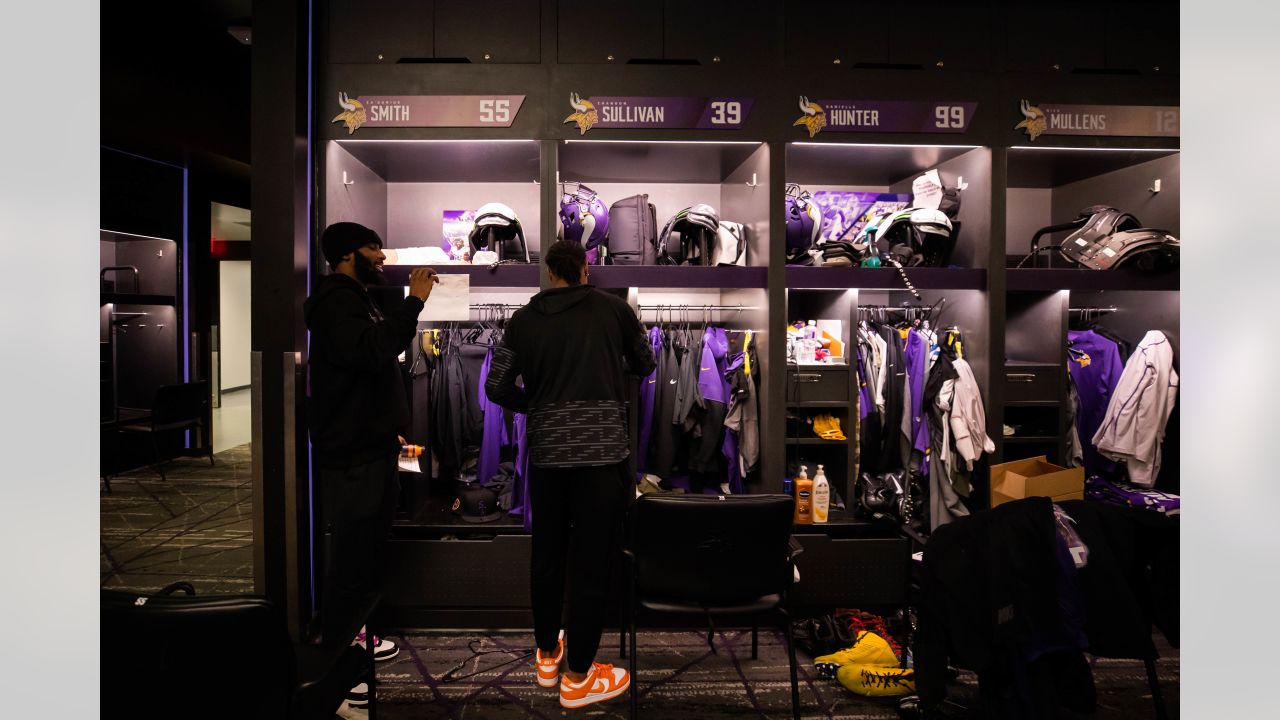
{"x": 946, "y": 484}
{"x": 648, "y": 396}
{"x": 689, "y": 403}
{"x": 892, "y": 437}
{"x": 743, "y": 417}
{"x": 520, "y": 504}
{"x": 714, "y": 391}
{"x": 1095, "y": 366}
{"x": 1133, "y": 427}
{"x": 449, "y": 409}
{"x": 1075, "y": 453}
{"x": 495, "y": 434}
{"x": 915, "y": 357}
{"x": 968, "y": 416}
{"x": 668, "y": 439}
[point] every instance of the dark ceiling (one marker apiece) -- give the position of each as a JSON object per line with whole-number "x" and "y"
{"x": 175, "y": 83}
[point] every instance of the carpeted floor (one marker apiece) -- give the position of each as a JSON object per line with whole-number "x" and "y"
{"x": 680, "y": 678}
{"x": 196, "y": 526}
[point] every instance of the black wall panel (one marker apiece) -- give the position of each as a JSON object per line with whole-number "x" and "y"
{"x": 956, "y": 34}
{"x": 140, "y": 196}
{"x": 852, "y": 32}
{"x": 1068, "y": 35}
{"x": 508, "y": 31}
{"x": 739, "y": 32}
{"x": 361, "y": 31}
{"x": 589, "y": 32}
{"x": 1142, "y": 35}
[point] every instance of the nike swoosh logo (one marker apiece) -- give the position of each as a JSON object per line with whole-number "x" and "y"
{"x": 706, "y": 369}
{"x": 673, "y": 382}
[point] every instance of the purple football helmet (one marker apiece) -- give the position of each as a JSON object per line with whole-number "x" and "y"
{"x": 583, "y": 215}
{"x": 804, "y": 222}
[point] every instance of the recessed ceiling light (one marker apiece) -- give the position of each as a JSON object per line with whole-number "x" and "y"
{"x": 242, "y": 33}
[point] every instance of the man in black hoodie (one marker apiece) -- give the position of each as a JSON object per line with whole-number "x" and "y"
{"x": 573, "y": 346}
{"x": 357, "y": 412}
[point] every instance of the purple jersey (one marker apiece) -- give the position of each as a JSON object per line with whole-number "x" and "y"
{"x": 648, "y": 395}
{"x": 1095, "y": 366}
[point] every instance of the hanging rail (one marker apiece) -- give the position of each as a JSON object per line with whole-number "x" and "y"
{"x": 1101, "y": 310}
{"x": 718, "y": 308}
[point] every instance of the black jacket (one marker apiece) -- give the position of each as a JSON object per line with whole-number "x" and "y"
{"x": 573, "y": 347}
{"x": 358, "y": 402}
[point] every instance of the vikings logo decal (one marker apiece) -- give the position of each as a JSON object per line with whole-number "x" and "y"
{"x": 352, "y": 115}
{"x": 1035, "y": 122}
{"x": 814, "y": 118}
{"x": 584, "y": 114}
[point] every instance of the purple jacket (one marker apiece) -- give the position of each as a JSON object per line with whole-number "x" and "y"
{"x": 715, "y": 350}
{"x": 495, "y": 431}
{"x": 648, "y": 394}
{"x": 1095, "y": 366}
{"x": 915, "y": 357}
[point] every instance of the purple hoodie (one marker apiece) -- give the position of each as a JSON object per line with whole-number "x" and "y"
{"x": 915, "y": 357}
{"x": 495, "y": 431}
{"x": 715, "y": 388}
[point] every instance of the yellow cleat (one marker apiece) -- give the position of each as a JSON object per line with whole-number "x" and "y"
{"x": 868, "y": 649}
{"x": 873, "y": 681}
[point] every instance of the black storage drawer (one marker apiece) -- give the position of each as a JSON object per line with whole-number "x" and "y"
{"x": 457, "y": 573}
{"x": 851, "y": 572}
{"x": 1032, "y": 383}
{"x": 814, "y": 384}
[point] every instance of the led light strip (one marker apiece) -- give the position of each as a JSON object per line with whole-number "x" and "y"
{"x": 669, "y": 142}
{"x": 879, "y": 145}
{"x": 1094, "y": 149}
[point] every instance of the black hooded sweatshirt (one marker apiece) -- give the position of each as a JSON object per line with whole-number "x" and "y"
{"x": 358, "y": 403}
{"x": 573, "y": 347}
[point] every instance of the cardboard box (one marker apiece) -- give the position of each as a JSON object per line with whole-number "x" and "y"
{"x": 1032, "y": 477}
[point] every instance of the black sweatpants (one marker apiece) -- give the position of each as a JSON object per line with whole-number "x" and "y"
{"x": 357, "y": 503}
{"x": 577, "y": 527}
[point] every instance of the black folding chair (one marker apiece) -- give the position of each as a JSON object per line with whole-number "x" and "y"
{"x": 713, "y": 556}
{"x": 219, "y": 656}
{"x": 177, "y": 408}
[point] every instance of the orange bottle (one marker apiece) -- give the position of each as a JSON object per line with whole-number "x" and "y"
{"x": 804, "y": 498}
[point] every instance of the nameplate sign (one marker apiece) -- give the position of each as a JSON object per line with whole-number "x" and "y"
{"x": 621, "y": 112}
{"x": 1121, "y": 120}
{"x": 497, "y": 111}
{"x": 884, "y": 116}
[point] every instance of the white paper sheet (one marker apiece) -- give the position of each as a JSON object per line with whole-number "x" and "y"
{"x": 927, "y": 191}
{"x": 409, "y": 464}
{"x": 450, "y": 299}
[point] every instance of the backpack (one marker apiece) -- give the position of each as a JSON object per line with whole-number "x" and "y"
{"x": 731, "y": 244}
{"x": 689, "y": 236}
{"x": 632, "y": 238}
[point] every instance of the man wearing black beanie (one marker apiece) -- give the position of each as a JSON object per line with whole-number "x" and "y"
{"x": 357, "y": 414}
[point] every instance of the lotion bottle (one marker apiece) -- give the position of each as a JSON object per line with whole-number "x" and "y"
{"x": 821, "y": 496}
{"x": 804, "y": 497}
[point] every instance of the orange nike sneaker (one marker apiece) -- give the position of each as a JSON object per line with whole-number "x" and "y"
{"x": 549, "y": 665}
{"x": 603, "y": 682}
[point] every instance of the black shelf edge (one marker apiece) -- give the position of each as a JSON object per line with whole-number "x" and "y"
{"x": 659, "y": 276}
{"x": 836, "y": 278}
{"x": 514, "y": 276}
{"x": 134, "y": 299}
{"x": 1032, "y": 439}
{"x": 1031, "y": 403}
{"x": 1053, "y": 279}
{"x": 819, "y": 404}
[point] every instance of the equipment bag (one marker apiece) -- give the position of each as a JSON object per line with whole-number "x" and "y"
{"x": 633, "y": 231}
{"x": 731, "y": 244}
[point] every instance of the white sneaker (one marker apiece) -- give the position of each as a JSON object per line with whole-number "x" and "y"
{"x": 358, "y": 696}
{"x": 383, "y": 649}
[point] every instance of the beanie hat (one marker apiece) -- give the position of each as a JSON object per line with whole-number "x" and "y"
{"x": 342, "y": 238}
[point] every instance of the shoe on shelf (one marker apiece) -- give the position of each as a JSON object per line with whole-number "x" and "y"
{"x": 383, "y": 649}
{"x": 358, "y": 697}
{"x": 549, "y": 665}
{"x": 603, "y": 682}
{"x": 873, "y": 681}
{"x": 867, "y": 649}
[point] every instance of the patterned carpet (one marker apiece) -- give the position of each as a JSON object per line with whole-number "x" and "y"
{"x": 680, "y": 679}
{"x": 197, "y": 526}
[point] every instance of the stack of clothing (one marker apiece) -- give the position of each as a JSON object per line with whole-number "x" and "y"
{"x": 1122, "y": 493}
{"x": 839, "y": 254}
